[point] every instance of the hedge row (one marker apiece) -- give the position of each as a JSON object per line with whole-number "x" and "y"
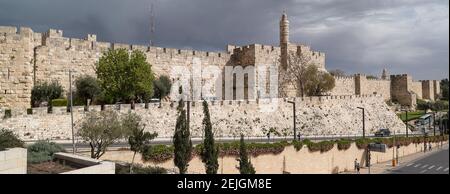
{"x": 162, "y": 153}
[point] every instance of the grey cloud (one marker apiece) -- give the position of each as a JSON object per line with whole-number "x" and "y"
{"x": 357, "y": 36}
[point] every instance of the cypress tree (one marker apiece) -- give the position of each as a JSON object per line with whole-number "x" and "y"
{"x": 181, "y": 139}
{"x": 245, "y": 166}
{"x": 210, "y": 151}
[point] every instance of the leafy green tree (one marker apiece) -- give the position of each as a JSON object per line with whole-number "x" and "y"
{"x": 316, "y": 82}
{"x": 138, "y": 139}
{"x": 9, "y": 140}
{"x": 125, "y": 77}
{"x": 444, "y": 89}
{"x": 210, "y": 150}
{"x": 162, "y": 87}
{"x": 245, "y": 166}
{"x": 87, "y": 87}
{"x": 100, "y": 130}
{"x": 181, "y": 139}
{"x": 45, "y": 92}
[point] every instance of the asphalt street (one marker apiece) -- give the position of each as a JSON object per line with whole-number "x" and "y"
{"x": 436, "y": 163}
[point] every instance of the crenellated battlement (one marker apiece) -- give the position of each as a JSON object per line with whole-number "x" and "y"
{"x": 8, "y": 29}
{"x": 172, "y": 106}
{"x": 344, "y": 77}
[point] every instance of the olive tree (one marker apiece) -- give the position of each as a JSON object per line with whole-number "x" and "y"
{"x": 100, "y": 130}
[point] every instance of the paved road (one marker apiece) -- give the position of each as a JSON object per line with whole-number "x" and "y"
{"x": 436, "y": 163}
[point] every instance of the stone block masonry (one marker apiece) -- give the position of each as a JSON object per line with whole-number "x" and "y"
{"x": 13, "y": 161}
{"x": 330, "y": 115}
{"x": 28, "y": 58}
{"x": 295, "y": 162}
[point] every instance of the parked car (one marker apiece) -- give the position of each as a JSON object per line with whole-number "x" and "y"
{"x": 383, "y": 133}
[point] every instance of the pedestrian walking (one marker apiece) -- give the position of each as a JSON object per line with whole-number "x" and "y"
{"x": 357, "y": 166}
{"x": 429, "y": 146}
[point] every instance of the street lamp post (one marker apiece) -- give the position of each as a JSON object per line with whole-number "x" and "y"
{"x": 406, "y": 122}
{"x": 364, "y": 136}
{"x": 295, "y": 118}
{"x": 434, "y": 124}
{"x": 71, "y": 111}
{"x": 364, "y": 124}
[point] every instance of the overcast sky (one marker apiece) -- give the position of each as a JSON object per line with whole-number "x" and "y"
{"x": 404, "y": 36}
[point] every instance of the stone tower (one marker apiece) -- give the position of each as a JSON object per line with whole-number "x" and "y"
{"x": 284, "y": 39}
{"x": 385, "y": 74}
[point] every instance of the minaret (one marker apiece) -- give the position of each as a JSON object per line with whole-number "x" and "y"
{"x": 385, "y": 74}
{"x": 284, "y": 29}
{"x": 284, "y": 39}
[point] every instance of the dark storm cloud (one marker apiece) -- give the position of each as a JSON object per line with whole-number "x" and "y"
{"x": 405, "y": 36}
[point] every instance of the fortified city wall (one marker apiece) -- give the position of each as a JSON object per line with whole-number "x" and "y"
{"x": 328, "y": 115}
{"x": 27, "y": 58}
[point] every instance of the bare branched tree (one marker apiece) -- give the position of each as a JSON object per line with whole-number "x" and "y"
{"x": 294, "y": 74}
{"x": 305, "y": 77}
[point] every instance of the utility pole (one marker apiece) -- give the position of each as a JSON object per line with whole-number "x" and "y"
{"x": 295, "y": 118}
{"x": 71, "y": 111}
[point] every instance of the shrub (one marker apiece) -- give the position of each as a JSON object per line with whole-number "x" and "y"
{"x": 87, "y": 87}
{"x": 162, "y": 87}
{"x": 29, "y": 111}
{"x": 59, "y": 102}
{"x": 7, "y": 113}
{"x": 362, "y": 143}
{"x": 9, "y": 140}
{"x": 43, "y": 151}
{"x": 45, "y": 92}
{"x": 139, "y": 169}
{"x": 344, "y": 144}
{"x": 440, "y": 105}
{"x": 423, "y": 105}
{"x": 158, "y": 153}
{"x": 322, "y": 146}
{"x": 298, "y": 145}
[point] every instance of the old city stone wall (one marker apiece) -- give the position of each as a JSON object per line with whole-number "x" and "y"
{"x": 416, "y": 87}
{"x": 366, "y": 86}
{"x": 331, "y": 115}
{"x": 27, "y": 58}
{"x": 428, "y": 89}
{"x": 344, "y": 86}
{"x": 16, "y": 65}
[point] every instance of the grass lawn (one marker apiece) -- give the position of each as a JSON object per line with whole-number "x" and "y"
{"x": 411, "y": 115}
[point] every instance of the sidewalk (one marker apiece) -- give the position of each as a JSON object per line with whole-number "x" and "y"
{"x": 385, "y": 167}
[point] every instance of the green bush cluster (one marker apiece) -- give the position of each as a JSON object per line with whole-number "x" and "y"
{"x": 343, "y": 144}
{"x": 322, "y": 146}
{"x": 158, "y": 153}
{"x": 29, "y": 111}
{"x": 43, "y": 151}
{"x": 59, "y": 102}
{"x": 45, "y": 92}
{"x": 8, "y": 113}
{"x": 161, "y": 153}
{"x": 435, "y": 106}
{"x": 362, "y": 143}
{"x": 298, "y": 145}
{"x": 9, "y": 140}
{"x": 139, "y": 169}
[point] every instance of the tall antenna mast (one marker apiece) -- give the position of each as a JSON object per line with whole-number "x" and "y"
{"x": 152, "y": 23}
